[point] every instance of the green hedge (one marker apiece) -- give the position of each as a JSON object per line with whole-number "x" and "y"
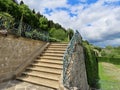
{"x": 109, "y": 59}
{"x": 91, "y": 66}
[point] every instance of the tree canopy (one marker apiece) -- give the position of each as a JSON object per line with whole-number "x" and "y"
{"x": 35, "y": 19}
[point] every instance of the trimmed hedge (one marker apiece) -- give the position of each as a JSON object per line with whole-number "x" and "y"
{"x": 109, "y": 59}
{"x": 91, "y": 66}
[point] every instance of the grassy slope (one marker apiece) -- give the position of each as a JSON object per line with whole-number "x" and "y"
{"x": 109, "y": 76}
{"x": 117, "y": 66}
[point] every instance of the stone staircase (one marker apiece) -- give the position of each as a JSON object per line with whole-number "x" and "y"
{"x": 46, "y": 69}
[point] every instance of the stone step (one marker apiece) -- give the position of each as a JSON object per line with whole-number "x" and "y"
{"x": 59, "y": 44}
{"x": 52, "y": 46}
{"x": 45, "y": 75}
{"x": 50, "y": 57}
{"x": 49, "y": 61}
{"x": 52, "y": 51}
{"x": 56, "y": 49}
{"x": 45, "y": 69}
{"x": 50, "y": 65}
{"x": 52, "y": 54}
{"x": 40, "y": 81}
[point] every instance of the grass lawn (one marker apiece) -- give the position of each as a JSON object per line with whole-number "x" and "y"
{"x": 117, "y": 66}
{"x": 109, "y": 76}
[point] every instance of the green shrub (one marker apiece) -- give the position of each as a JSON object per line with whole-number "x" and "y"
{"x": 6, "y": 20}
{"x": 109, "y": 59}
{"x": 54, "y": 39}
{"x": 91, "y": 66}
{"x": 59, "y": 34}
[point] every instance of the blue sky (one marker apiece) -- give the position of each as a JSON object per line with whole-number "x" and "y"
{"x": 74, "y": 2}
{"x": 98, "y": 21}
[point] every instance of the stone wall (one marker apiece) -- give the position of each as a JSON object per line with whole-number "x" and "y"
{"x": 13, "y": 52}
{"x": 78, "y": 72}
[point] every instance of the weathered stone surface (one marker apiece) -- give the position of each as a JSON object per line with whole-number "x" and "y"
{"x": 78, "y": 72}
{"x": 13, "y": 52}
{"x": 18, "y": 85}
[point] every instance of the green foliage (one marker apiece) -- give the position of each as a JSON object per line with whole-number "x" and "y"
{"x": 58, "y": 34}
{"x": 28, "y": 16}
{"x": 21, "y": 2}
{"x": 19, "y": 33}
{"x": 70, "y": 33}
{"x": 98, "y": 48}
{"x": 35, "y": 20}
{"x": 109, "y": 47}
{"x": 6, "y": 20}
{"x": 85, "y": 42}
{"x": 6, "y": 16}
{"x": 112, "y": 52}
{"x": 17, "y": 11}
{"x": 15, "y": 1}
{"x": 43, "y": 23}
{"x": 36, "y": 35}
{"x": 108, "y": 76}
{"x": 103, "y": 53}
{"x": 28, "y": 34}
{"x": 54, "y": 39}
{"x": 109, "y": 59}
{"x": 40, "y": 36}
{"x": 91, "y": 66}
{"x": 10, "y": 7}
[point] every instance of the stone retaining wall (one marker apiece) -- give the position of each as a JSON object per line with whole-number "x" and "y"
{"x": 13, "y": 52}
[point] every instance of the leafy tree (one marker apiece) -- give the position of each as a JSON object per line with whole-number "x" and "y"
{"x": 21, "y": 2}
{"x": 43, "y": 23}
{"x": 103, "y": 53}
{"x": 58, "y": 26}
{"x": 35, "y": 20}
{"x": 33, "y": 11}
{"x": 70, "y": 33}
{"x": 4, "y": 5}
{"x": 98, "y": 48}
{"x": 110, "y": 51}
{"x": 58, "y": 34}
{"x": 51, "y": 24}
{"x": 28, "y": 16}
{"x": 7, "y": 20}
{"x": 109, "y": 47}
{"x": 39, "y": 15}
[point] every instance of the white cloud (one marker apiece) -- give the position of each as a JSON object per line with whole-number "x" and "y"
{"x": 113, "y": 42}
{"x": 40, "y": 5}
{"x": 96, "y": 22}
